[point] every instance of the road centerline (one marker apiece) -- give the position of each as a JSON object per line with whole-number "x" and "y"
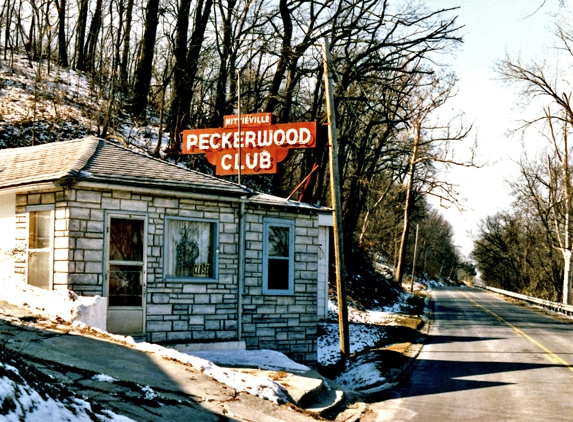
{"x": 551, "y": 356}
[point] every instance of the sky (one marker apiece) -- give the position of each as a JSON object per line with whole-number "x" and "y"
{"x": 490, "y": 29}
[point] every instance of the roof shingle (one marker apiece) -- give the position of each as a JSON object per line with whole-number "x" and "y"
{"x": 103, "y": 161}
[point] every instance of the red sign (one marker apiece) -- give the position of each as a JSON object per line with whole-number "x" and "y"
{"x": 262, "y": 144}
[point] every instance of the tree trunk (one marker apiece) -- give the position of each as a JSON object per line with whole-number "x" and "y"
{"x": 286, "y": 50}
{"x": 370, "y": 209}
{"x": 175, "y": 115}
{"x": 118, "y": 34}
{"x": 358, "y": 188}
{"x": 567, "y": 216}
{"x": 93, "y": 35}
{"x": 62, "y": 44}
{"x": 186, "y": 65}
{"x": 567, "y": 277}
{"x": 407, "y": 210}
{"x": 222, "y": 79}
{"x": 82, "y": 25}
{"x": 144, "y": 67}
{"x": 123, "y": 76}
{"x": 31, "y": 44}
{"x": 8, "y": 18}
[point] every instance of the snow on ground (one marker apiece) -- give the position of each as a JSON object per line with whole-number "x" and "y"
{"x": 21, "y": 402}
{"x": 362, "y": 337}
{"x": 58, "y": 305}
{"x": 361, "y": 374}
{"x": 51, "y": 104}
{"x": 365, "y": 332}
{"x": 366, "y": 329}
{"x": 29, "y": 89}
{"x": 62, "y": 304}
{"x": 262, "y": 359}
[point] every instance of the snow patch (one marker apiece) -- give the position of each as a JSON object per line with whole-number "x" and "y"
{"x": 65, "y": 304}
{"x": 19, "y": 402}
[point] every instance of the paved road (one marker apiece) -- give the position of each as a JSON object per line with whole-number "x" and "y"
{"x": 486, "y": 360}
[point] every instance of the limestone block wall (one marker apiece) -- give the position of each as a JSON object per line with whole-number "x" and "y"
{"x": 188, "y": 310}
{"x": 78, "y": 237}
{"x": 323, "y": 272}
{"x": 192, "y": 310}
{"x": 8, "y": 247}
{"x": 21, "y": 235}
{"x": 285, "y": 323}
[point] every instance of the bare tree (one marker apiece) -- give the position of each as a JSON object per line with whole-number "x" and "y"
{"x": 512, "y": 251}
{"x": 430, "y": 143}
{"x": 92, "y": 39}
{"x": 376, "y": 54}
{"x": 227, "y": 19}
{"x": 126, "y": 50}
{"x": 6, "y": 14}
{"x": 186, "y": 70}
{"x": 187, "y": 53}
{"x": 61, "y": 7}
{"x": 82, "y": 25}
{"x": 144, "y": 66}
{"x": 554, "y": 122}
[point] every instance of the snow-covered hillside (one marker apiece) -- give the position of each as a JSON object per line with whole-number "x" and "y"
{"x": 41, "y": 103}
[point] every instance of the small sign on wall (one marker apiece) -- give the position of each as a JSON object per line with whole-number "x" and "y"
{"x": 201, "y": 270}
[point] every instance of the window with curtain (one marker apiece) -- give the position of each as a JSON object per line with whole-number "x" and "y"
{"x": 190, "y": 247}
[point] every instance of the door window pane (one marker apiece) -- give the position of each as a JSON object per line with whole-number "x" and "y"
{"x": 125, "y": 285}
{"x": 190, "y": 249}
{"x": 126, "y": 239}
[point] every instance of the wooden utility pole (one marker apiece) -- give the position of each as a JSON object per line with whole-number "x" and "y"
{"x": 239, "y": 126}
{"x": 336, "y": 204}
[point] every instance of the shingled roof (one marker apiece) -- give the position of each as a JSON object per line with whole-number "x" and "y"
{"x": 97, "y": 160}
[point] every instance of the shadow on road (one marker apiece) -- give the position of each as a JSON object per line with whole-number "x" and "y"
{"x": 449, "y": 376}
{"x": 496, "y": 355}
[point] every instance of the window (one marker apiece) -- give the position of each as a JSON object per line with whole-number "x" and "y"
{"x": 40, "y": 233}
{"x": 278, "y": 256}
{"x": 190, "y": 247}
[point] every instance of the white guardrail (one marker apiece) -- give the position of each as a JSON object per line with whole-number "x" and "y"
{"x": 554, "y": 306}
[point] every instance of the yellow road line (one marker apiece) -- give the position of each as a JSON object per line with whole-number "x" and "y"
{"x": 550, "y": 355}
{"x": 550, "y": 358}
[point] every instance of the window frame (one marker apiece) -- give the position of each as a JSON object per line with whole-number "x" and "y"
{"x": 215, "y": 247}
{"x": 50, "y": 249}
{"x": 278, "y": 222}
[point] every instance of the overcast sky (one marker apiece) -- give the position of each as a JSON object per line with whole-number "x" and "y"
{"x": 492, "y": 28}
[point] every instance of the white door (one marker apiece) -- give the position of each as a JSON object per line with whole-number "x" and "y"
{"x": 125, "y": 273}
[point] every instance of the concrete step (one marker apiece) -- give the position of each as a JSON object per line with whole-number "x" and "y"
{"x": 328, "y": 402}
{"x": 309, "y": 390}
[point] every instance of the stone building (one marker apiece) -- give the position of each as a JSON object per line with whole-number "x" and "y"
{"x": 180, "y": 256}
